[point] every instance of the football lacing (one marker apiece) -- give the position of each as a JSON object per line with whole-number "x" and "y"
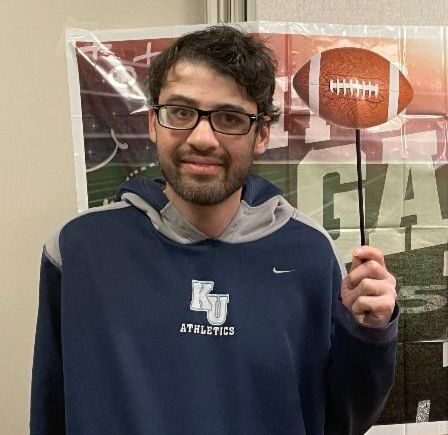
{"x": 354, "y": 88}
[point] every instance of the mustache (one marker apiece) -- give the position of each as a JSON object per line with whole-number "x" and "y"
{"x": 207, "y": 156}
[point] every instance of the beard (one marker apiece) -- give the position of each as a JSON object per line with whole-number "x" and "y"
{"x": 205, "y": 190}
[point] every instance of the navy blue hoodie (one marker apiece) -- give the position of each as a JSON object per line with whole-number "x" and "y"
{"x": 148, "y": 327}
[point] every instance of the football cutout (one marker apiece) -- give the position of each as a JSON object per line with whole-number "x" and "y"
{"x": 352, "y": 87}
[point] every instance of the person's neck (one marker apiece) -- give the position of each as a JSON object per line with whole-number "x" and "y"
{"x": 211, "y": 220}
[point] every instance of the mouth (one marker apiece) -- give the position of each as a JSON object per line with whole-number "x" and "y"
{"x": 202, "y": 165}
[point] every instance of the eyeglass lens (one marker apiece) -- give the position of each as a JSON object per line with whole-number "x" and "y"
{"x": 224, "y": 121}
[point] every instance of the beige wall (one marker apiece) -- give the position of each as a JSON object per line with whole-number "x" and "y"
{"x": 36, "y": 154}
{"x": 404, "y": 12}
{"x": 36, "y": 158}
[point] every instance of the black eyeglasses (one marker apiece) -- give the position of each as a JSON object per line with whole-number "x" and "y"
{"x": 222, "y": 121}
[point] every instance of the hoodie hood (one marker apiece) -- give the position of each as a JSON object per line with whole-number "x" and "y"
{"x": 261, "y": 201}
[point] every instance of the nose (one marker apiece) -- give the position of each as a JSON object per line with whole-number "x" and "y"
{"x": 203, "y": 137}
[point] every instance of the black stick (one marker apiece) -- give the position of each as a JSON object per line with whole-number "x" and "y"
{"x": 360, "y": 191}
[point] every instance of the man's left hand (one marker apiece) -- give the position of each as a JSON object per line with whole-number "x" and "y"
{"x": 368, "y": 290}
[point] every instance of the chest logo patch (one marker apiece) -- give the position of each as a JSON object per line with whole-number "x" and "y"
{"x": 215, "y": 305}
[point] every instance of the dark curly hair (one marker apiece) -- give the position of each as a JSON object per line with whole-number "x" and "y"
{"x": 229, "y": 51}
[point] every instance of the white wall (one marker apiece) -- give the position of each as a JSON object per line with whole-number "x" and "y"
{"x": 36, "y": 158}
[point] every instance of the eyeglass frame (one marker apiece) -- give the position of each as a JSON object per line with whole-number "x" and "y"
{"x": 253, "y": 117}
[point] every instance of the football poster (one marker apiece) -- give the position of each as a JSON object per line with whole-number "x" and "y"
{"x": 405, "y": 171}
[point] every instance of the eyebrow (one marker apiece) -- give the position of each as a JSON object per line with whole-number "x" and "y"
{"x": 184, "y": 100}
{"x": 180, "y": 99}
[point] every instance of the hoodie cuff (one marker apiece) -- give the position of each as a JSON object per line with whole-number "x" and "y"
{"x": 371, "y": 334}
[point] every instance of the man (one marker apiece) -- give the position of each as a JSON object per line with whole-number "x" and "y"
{"x": 206, "y": 304}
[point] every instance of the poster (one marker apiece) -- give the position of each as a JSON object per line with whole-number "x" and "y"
{"x": 405, "y": 172}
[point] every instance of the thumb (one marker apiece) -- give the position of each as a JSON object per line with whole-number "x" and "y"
{"x": 366, "y": 253}
{"x": 357, "y": 259}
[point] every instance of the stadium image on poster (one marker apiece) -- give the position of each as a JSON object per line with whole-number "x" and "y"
{"x": 405, "y": 170}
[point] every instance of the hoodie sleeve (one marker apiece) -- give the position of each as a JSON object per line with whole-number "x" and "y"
{"x": 361, "y": 372}
{"x": 47, "y": 386}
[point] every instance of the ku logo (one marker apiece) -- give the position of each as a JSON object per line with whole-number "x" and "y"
{"x": 215, "y": 305}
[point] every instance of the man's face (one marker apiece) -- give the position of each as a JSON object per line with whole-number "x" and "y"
{"x": 201, "y": 166}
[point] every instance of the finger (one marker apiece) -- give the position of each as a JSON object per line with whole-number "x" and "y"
{"x": 370, "y": 269}
{"x": 368, "y": 287}
{"x": 380, "y": 307}
{"x": 365, "y": 253}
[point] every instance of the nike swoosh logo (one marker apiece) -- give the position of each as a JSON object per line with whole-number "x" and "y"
{"x": 275, "y": 270}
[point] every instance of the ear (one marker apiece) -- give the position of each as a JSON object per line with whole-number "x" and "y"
{"x": 152, "y": 125}
{"x": 262, "y": 139}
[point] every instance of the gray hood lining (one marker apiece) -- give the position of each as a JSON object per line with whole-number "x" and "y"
{"x": 249, "y": 224}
